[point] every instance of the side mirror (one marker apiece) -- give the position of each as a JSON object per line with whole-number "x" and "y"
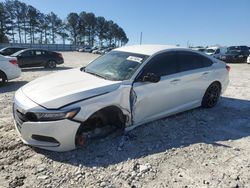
{"x": 151, "y": 77}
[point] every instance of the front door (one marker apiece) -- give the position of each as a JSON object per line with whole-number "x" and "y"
{"x": 152, "y": 100}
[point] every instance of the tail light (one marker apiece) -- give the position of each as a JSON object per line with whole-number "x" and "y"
{"x": 13, "y": 61}
{"x": 228, "y": 68}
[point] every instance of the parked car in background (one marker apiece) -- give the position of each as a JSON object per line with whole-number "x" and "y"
{"x": 106, "y": 50}
{"x": 81, "y": 49}
{"x": 61, "y": 111}
{"x": 93, "y": 48}
{"x": 233, "y": 56}
{"x": 211, "y": 50}
{"x": 220, "y": 52}
{"x": 8, "y": 69}
{"x": 38, "y": 58}
{"x": 88, "y": 49}
{"x": 200, "y": 49}
{"x": 243, "y": 51}
{"x": 10, "y": 50}
{"x": 248, "y": 59}
{"x": 97, "y": 51}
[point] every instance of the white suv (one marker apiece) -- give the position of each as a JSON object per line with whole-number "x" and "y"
{"x": 125, "y": 88}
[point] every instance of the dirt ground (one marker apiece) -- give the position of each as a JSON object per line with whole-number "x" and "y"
{"x": 198, "y": 148}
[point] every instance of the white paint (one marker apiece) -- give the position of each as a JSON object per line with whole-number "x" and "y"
{"x": 151, "y": 101}
{"x": 10, "y": 70}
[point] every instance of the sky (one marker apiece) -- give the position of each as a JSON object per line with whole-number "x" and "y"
{"x": 192, "y": 22}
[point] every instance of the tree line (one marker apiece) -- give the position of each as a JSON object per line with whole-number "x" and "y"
{"x": 22, "y": 23}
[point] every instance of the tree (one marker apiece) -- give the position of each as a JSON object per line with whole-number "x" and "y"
{"x": 63, "y": 33}
{"x": 33, "y": 16}
{"x": 27, "y": 24}
{"x": 101, "y": 28}
{"x": 18, "y": 11}
{"x": 90, "y": 21}
{"x": 4, "y": 21}
{"x": 9, "y": 6}
{"x": 73, "y": 26}
{"x": 45, "y": 27}
{"x": 55, "y": 25}
{"x": 82, "y": 27}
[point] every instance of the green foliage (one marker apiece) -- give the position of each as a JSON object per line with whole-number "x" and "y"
{"x": 24, "y": 23}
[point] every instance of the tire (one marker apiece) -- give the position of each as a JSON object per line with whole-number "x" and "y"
{"x": 51, "y": 64}
{"x": 211, "y": 96}
{"x": 3, "y": 78}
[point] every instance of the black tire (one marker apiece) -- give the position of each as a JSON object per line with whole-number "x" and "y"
{"x": 3, "y": 78}
{"x": 51, "y": 64}
{"x": 211, "y": 96}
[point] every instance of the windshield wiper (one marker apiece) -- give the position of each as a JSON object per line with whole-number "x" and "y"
{"x": 95, "y": 74}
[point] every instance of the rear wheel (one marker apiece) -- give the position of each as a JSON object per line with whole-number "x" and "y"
{"x": 212, "y": 95}
{"x": 51, "y": 64}
{"x": 2, "y": 78}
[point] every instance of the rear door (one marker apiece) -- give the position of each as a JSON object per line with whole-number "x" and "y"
{"x": 195, "y": 75}
{"x": 26, "y": 58}
{"x": 40, "y": 57}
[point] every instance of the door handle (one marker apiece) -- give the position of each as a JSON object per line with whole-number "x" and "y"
{"x": 175, "y": 80}
{"x": 205, "y": 73}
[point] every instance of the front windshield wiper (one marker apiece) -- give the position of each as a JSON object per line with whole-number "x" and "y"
{"x": 95, "y": 74}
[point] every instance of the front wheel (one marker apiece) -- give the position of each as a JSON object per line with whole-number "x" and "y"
{"x": 2, "y": 78}
{"x": 51, "y": 64}
{"x": 211, "y": 96}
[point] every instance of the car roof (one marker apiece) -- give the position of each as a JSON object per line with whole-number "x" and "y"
{"x": 145, "y": 49}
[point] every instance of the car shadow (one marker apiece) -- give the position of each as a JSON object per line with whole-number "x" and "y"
{"x": 45, "y": 69}
{"x": 12, "y": 86}
{"x": 229, "y": 120}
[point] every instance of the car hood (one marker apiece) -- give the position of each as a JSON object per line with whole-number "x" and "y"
{"x": 65, "y": 87}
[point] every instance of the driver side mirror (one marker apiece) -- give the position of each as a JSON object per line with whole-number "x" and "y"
{"x": 151, "y": 77}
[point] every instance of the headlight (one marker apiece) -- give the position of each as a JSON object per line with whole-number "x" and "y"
{"x": 52, "y": 115}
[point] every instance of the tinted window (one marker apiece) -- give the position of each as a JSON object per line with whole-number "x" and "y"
{"x": 189, "y": 61}
{"x": 162, "y": 65}
{"x": 27, "y": 53}
{"x": 38, "y": 52}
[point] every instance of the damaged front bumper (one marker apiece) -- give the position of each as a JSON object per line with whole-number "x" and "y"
{"x": 53, "y": 135}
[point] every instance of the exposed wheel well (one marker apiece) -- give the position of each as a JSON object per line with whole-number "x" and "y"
{"x": 111, "y": 116}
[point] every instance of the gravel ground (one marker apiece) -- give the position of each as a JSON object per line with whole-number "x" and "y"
{"x": 198, "y": 148}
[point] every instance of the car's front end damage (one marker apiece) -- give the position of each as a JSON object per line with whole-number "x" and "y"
{"x": 61, "y": 124}
{"x": 52, "y": 134}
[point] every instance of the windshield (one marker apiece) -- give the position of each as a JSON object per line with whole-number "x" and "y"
{"x": 116, "y": 65}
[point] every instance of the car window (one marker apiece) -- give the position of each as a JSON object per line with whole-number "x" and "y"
{"x": 162, "y": 65}
{"x": 27, "y": 53}
{"x": 38, "y": 52}
{"x": 189, "y": 61}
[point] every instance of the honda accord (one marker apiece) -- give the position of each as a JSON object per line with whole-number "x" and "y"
{"x": 119, "y": 91}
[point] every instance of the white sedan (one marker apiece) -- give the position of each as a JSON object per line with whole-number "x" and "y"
{"x": 125, "y": 88}
{"x": 8, "y": 69}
